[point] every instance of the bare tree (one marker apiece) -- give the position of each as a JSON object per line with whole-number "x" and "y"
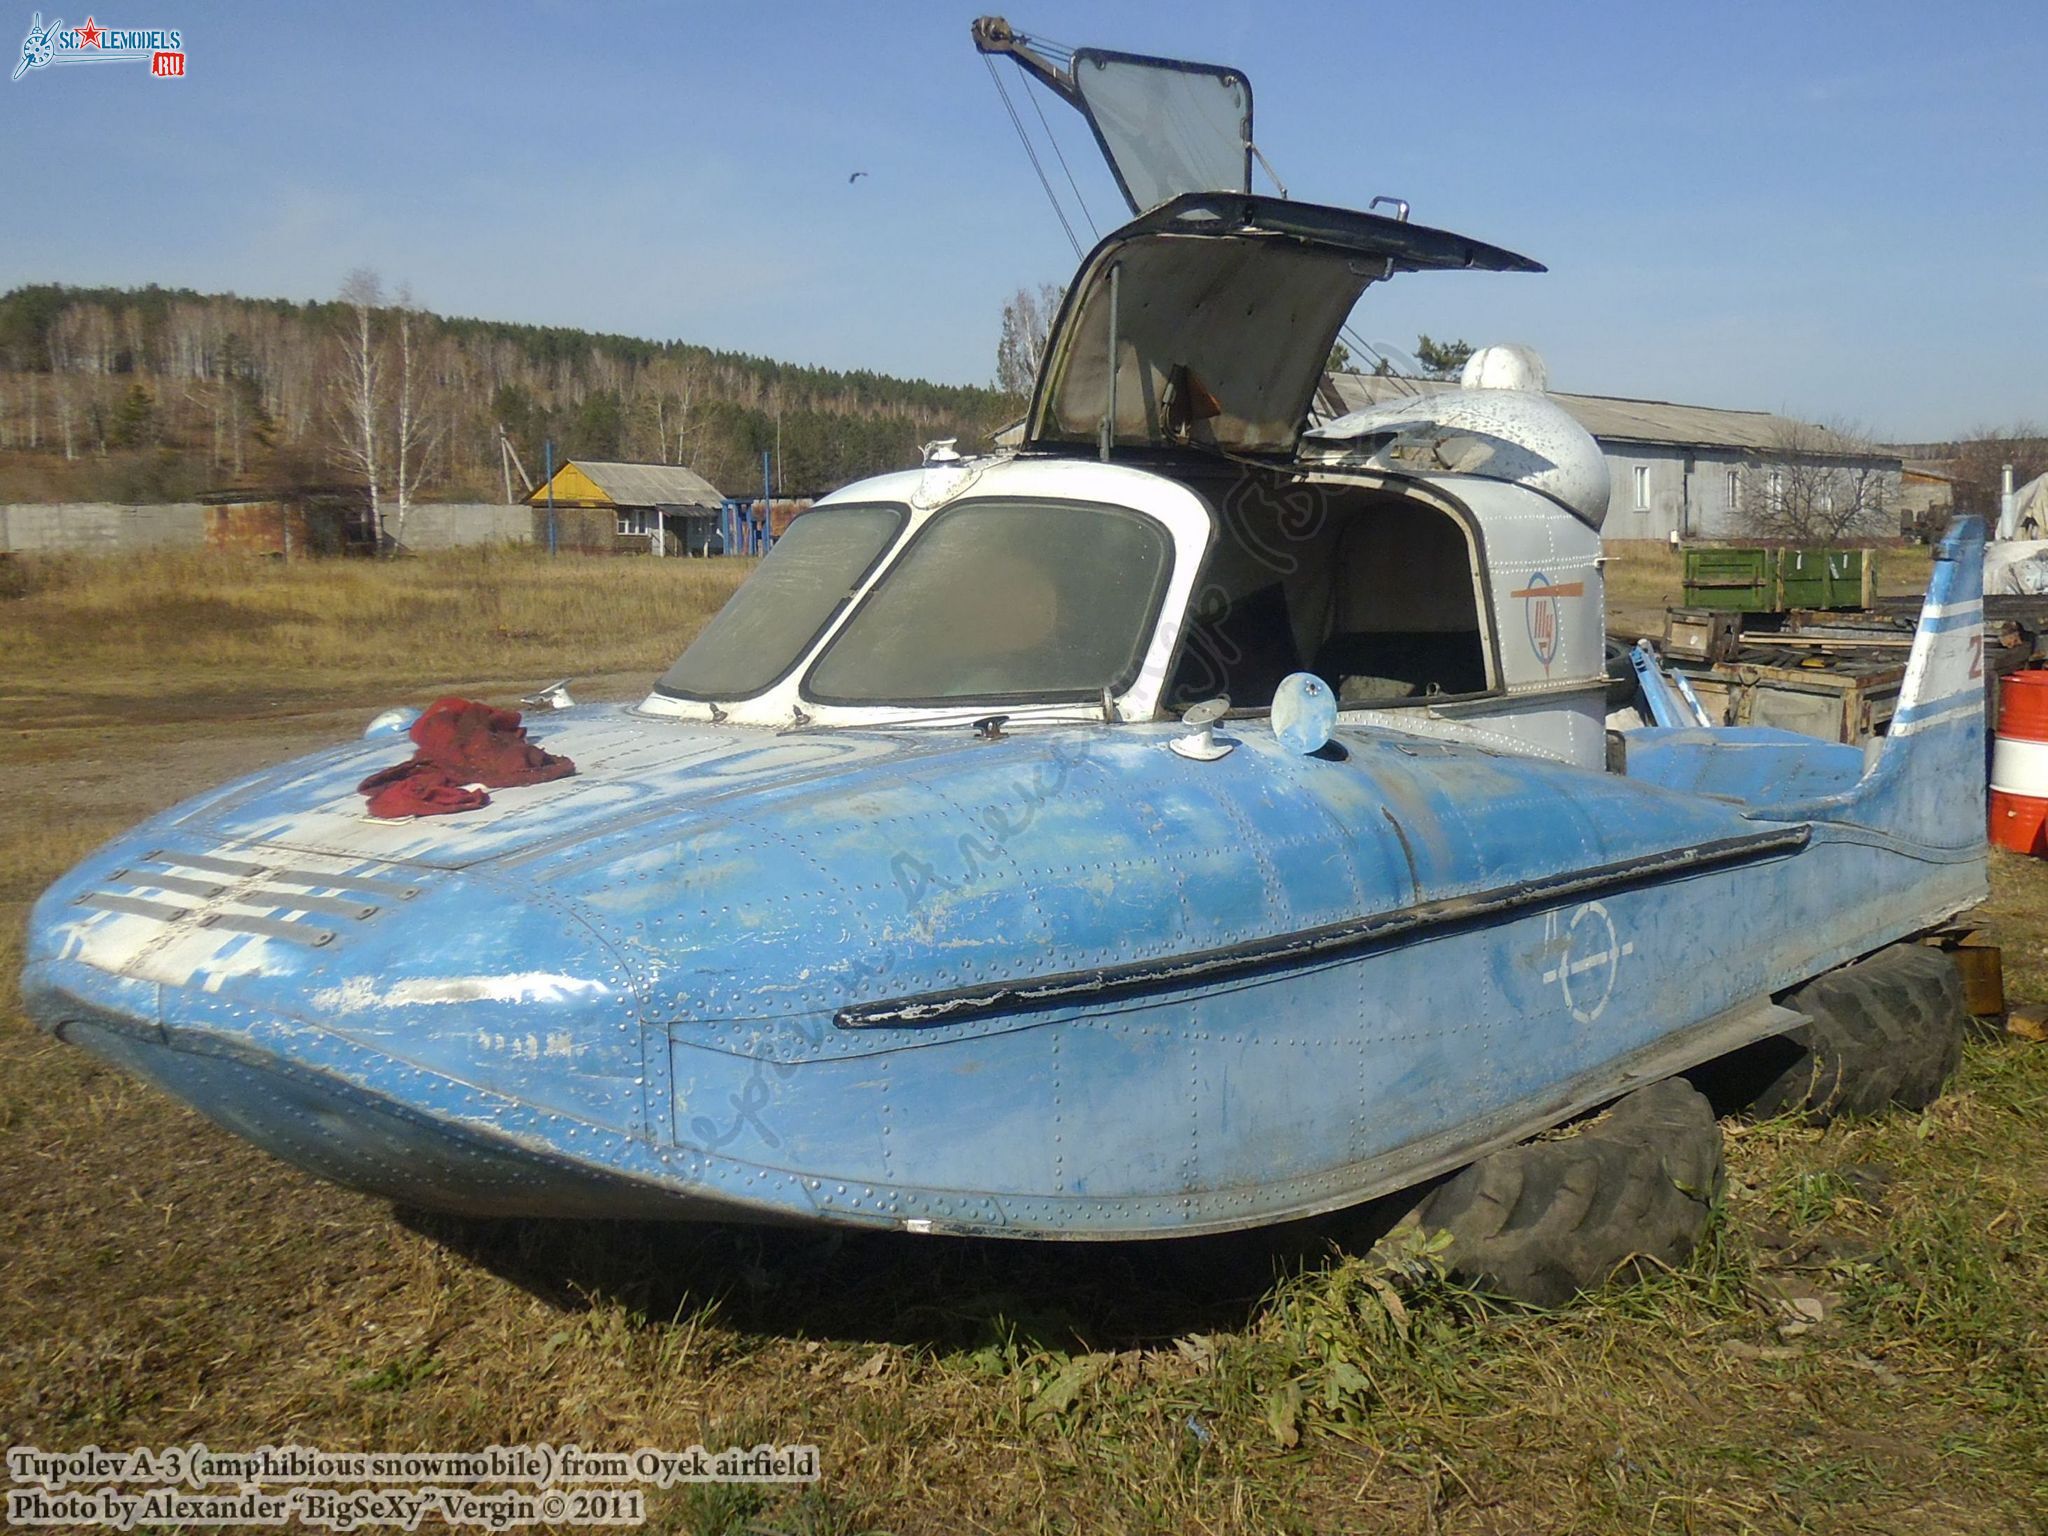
{"x": 673, "y": 392}
{"x": 415, "y": 437}
{"x": 356, "y": 407}
{"x": 65, "y": 345}
{"x": 278, "y": 393}
{"x": 1027, "y": 319}
{"x": 231, "y": 397}
{"x": 1980, "y": 460}
{"x": 1813, "y": 484}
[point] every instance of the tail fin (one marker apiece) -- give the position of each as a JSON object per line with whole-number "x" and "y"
{"x": 1929, "y": 775}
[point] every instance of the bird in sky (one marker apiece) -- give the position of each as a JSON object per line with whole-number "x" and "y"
{"x": 856, "y": 176}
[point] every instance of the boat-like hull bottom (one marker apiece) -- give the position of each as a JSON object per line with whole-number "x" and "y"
{"x": 361, "y": 1140}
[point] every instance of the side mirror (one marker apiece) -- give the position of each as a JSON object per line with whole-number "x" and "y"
{"x": 1202, "y": 744}
{"x": 1304, "y": 712}
{"x": 554, "y": 696}
{"x": 393, "y": 722}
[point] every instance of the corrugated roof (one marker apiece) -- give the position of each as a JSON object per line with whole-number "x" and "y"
{"x": 1612, "y": 418}
{"x": 647, "y": 485}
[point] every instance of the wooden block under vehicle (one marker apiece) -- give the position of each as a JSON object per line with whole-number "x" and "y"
{"x": 1982, "y": 965}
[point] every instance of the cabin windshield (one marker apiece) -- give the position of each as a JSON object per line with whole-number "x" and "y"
{"x": 1004, "y": 600}
{"x": 811, "y": 573}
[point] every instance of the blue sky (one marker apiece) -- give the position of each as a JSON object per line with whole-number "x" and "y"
{"x": 1839, "y": 209}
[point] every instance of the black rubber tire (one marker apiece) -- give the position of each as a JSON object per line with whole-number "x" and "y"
{"x": 1622, "y": 683}
{"x": 1884, "y": 1032}
{"x": 1545, "y": 1220}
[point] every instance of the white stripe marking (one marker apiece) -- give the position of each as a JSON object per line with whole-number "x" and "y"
{"x": 1973, "y": 605}
{"x": 1960, "y": 711}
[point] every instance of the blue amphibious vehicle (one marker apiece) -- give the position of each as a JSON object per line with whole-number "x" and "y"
{"x": 937, "y": 887}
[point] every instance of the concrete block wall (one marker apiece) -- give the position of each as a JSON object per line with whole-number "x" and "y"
{"x": 447, "y": 525}
{"x": 100, "y": 527}
{"x": 110, "y": 528}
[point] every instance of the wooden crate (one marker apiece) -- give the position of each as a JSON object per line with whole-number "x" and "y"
{"x": 1701, "y": 634}
{"x": 1770, "y": 579}
{"x": 1823, "y": 578}
{"x": 1738, "y": 580}
{"x": 1847, "y": 699}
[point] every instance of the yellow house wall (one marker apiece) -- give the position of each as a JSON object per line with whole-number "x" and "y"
{"x": 571, "y": 484}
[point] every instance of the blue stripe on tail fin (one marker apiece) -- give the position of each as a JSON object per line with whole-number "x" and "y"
{"x": 1927, "y": 783}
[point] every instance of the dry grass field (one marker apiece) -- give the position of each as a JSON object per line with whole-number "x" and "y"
{"x": 247, "y": 635}
{"x": 1861, "y": 1346}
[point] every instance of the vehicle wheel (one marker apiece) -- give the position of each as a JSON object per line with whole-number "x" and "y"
{"x": 1547, "y": 1219}
{"x": 1621, "y": 675}
{"x": 1885, "y": 1031}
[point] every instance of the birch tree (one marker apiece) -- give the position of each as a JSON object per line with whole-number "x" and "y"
{"x": 356, "y": 408}
{"x": 1027, "y": 318}
{"x": 673, "y": 392}
{"x": 414, "y": 437}
{"x": 64, "y": 350}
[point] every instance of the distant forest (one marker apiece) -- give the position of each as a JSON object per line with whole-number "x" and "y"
{"x": 158, "y": 394}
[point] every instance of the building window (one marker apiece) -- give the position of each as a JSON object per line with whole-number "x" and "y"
{"x": 1642, "y": 487}
{"x": 1777, "y": 497}
{"x": 1734, "y": 489}
{"x": 625, "y": 523}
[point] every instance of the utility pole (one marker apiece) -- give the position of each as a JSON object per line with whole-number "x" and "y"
{"x": 551, "y": 495}
{"x": 509, "y": 460}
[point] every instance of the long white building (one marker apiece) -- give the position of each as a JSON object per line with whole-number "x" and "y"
{"x": 1684, "y": 469}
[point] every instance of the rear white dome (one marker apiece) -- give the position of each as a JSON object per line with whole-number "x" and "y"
{"x": 1512, "y": 366}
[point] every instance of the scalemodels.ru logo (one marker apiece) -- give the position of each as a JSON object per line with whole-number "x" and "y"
{"x": 161, "y": 48}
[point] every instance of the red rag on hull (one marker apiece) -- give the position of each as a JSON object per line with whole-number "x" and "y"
{"x": 464, "y": 748}
{"x": 419, "y": 789}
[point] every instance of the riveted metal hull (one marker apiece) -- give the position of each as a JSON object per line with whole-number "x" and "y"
{"x": 1066, "y": 983}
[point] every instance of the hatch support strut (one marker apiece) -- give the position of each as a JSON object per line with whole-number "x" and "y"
{"x": 992, "y": 34}
{"x": 1109, "y": 408}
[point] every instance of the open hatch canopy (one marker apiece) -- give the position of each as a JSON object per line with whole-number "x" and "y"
{"x": 1166, "y": 126}
{"x": 1223, "y": 308}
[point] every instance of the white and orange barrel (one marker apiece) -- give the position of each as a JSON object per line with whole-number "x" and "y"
{"x": 2019, "y": 765}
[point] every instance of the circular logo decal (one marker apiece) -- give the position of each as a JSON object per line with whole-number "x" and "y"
{"x": 1541, "y": 599}
{"x": 1589, "y": 955}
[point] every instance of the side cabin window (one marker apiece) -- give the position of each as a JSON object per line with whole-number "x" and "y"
{"x": 1404, "y": 620}
{"x": 1374, "y": 594}
{"x": 804, "y": 583}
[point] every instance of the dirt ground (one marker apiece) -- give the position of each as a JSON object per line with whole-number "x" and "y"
{"x": 1860, "y": 1346}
